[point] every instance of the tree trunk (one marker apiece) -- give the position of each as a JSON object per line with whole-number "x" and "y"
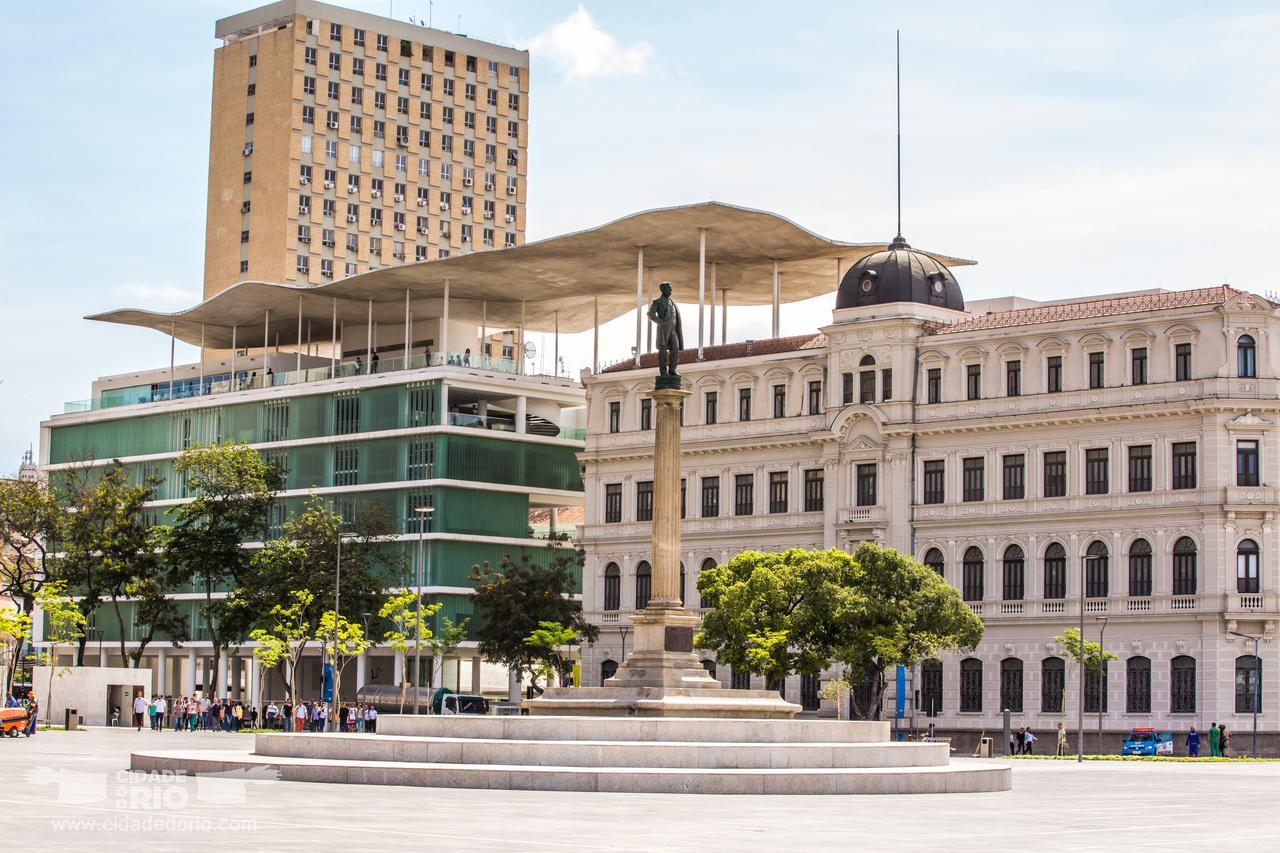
{"x": 124, "y": 657}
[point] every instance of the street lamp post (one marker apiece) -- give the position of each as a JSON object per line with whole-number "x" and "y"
{"x": 1257, "y": 686}
{"x": 424, "y": 520}
{"x": 1084, "y": 560}
{"x": 1102, "y": 682}
{"x": 337, "y": 598}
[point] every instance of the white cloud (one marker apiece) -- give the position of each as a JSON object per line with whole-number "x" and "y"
{"x": 164, "y": 293}
{"x": 579, "y": 48}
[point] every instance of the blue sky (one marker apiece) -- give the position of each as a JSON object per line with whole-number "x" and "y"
{"x": 1070, "y": 150}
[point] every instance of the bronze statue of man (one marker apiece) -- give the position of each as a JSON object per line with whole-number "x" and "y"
{"x": 670, "y": 337}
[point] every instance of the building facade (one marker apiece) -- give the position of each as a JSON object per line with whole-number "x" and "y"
{"x": 491, "y": 451}
{"x": 342, "y": 142}
{"x": 1127, "y": 442}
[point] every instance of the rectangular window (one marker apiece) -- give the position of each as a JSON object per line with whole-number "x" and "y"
{"x": 973, "y": 381}
{"x": 886, "y": 384}
{"x": 346, "y": 465}
{"x": 1013, "y": 378}
{"x": 710, "y": 497}
{"x": 1097, "y": 370}
{"x": 935, "y": 481}
{"x": 1053, "y": 374}
{"x": 1055, "y": 474}
{"x": 866, "y": 484}
{"x": 934, "y": 384}
{"x": 644, "y": 500}
{"x": 778, "y": 481}
{"x": 744, "y": 404}
{"x": 1247, "y": 463}
{"x": 815, "y": 398}
{"x": 1138, "y": 366}
{"x": 613, "y": 503}
{"x": 711, "y": 407}
{"x": 615, "y": 416}
{"x": 867, "y": 386}
{"x": 1182, "y": 362}
{"x": 846, "y": 389}
{"x": 744, "y": 499}
{"x": 1140, "y": 468}
{"x": 779, "y": 401}
{"x": 974, "y": 472}
{"x": 346, "y": 413}
{"x": 1097, "y": 468}
{"x": 813, "y": 485}
{"x": 1184, "y": 465}
{"x": 421, "y": 457}
{"x": 1014, "y": 476}
{"x": 646, "y": 413}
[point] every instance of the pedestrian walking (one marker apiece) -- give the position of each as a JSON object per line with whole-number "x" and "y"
{"x": 272, "y": 713}
{"x": 1193, "y": 743}
{"x": 1215, "y": 743}
{"x": 1015, "y": 741}
{"x": 162, "y": 708}
{"x": 139, "y": 709}
{"x": 1028, "y": 739}
{"x": 300, "y": 717}
{"x": 1224, "y": 741}
{"x": 1062, "y": 740}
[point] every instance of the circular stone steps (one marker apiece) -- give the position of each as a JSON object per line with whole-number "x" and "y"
{"x": 667, "y": 729}
{"x": 968, "y": 778}
{"x": 673, "y": 755}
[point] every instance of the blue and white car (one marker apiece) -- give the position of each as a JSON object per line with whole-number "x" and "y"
{"x": 1147, "y": 741}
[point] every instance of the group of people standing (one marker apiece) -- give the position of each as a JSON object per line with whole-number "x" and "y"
{"x": 1219, "y": 742}
{"x": 192, "y": 713}
{"x": 314, "y": 717}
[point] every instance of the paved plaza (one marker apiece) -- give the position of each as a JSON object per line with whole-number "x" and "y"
{"x": 72, "y": 791}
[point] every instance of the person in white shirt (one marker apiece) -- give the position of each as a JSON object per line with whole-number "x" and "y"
{"x": 371, "y": 720}
{"x": 161, "y": 707}
{"x": 300, "y": 714}
{"x": 139, "y": 710}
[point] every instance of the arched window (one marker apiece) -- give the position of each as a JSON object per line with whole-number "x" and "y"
{"x": 1137, "y": 685}
{"x": 607, "y": 669}
{"x": 710, "y": 666}
{"x": 1013, "y": 573}
{"x": 867, "y": 380}
{"x": 644, "y": 584}
{"x": 1055, "y": 571}
{"x": 973, "y": 569}
{"x": 612, "y": 587}
{"x": 971, "y": 685}
{"x": 682, "y": 579}
{"x": 1247, "y": 566}
{"x": 1182, "y": 685}
{"x": 1095, "y": 690}
{"x": 1011, "y": 685}
{"x": 1184, "y": 567}
{"x": 1248, "y": 685}
{"x": 706, "y": 564}
{"x": 1053, "y": 680}
{"x": 866, "y": 361}
{"x": 1246, "y": 357}
{"x": 1140, "y": 568}
{"x": 934, "y": 560}
{"x": 931, "y": 687}
{"x": 1095, "y": 570}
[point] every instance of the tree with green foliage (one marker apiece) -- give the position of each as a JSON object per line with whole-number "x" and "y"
{"x": 282, "y": 644}
{"x": 513, "y": 600}
{"x": 15, "y": 627}
{"x": 342, "y": 641}
{"x": 232, "y": 489}
{"x": 804, "y": 611}
{"x": 1089, "y": 652}
{"x": 31, "y": 524}
{"x": 444, "y": 642}
{"x": 407, "y": 629}
{"x": 64, "y": 624}
{"x": 545, "y": 644}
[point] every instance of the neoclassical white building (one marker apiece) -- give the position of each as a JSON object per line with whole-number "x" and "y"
{"x": 1125, "y": 443}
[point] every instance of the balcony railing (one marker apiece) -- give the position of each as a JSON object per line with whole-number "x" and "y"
{"x": 246, "y": 380}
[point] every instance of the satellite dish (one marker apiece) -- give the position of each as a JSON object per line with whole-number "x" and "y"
{"x": 530, "y": 350}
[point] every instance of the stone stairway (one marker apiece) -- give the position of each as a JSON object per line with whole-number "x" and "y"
{"x": 636, "y": 755}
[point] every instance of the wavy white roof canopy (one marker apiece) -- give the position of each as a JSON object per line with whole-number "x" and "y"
{"x": 557, "y": 276}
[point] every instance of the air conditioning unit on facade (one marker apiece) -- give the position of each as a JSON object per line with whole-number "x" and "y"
{"x": 328, "y": 185}
{"x": 304, "y": 239}
{"x": 351, "y": 189}
{"x": 399, "y": 226}
{"x": 422, "y": 230}
{"x": 422, "y": 202}
{"x": 333, "y": 125}
{"x": 466, "y": 182}
{"x": 511, "y": 219}
{"x": 466, "y": 211}
{"x": 488, "y": 214}
{"x": 351, "y": 217}
{"x": 327, "y": 274}
{"x": 376, "y": 193}
{"x": 304, "y": 180}
{"x": 444, "y": 205}
{"x": 399, "y": 197}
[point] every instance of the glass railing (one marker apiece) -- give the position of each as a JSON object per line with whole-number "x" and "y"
{"x": 249, "y": 380}
{"x": 481, "y": 422}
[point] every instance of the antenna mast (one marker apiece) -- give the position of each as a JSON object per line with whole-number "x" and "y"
{"x": 897, "y": 56}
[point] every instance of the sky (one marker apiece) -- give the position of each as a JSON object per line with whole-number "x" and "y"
{"x": 1071, "y": 149}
